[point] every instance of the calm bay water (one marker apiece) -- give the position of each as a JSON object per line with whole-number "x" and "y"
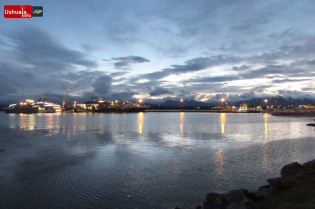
{"x": 142, "y": 160}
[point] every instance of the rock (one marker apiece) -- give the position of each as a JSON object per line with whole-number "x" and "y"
{"x": 236, "y": 195}
{"x": 275, "y": 183}
{"x": 213, "y": 205}
{"x": 282, "y": 182}
{"x": 264, "y": 187}
{"x": 308, "y": 169}
{"x": 293, "y": 175}
{"x": 233, "y": 205}
{"x": 241, "y": 199}
{"x": 291, "y": 169}
{"x": 309, "y": 165}
{"x": 235, "y": 199}
{"x": 241, "y": 205}
{"x": 215, "y": 201}
{"x": 263, "y": 192}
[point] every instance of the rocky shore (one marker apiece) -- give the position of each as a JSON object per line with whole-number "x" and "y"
{"x": 294, "y": 189}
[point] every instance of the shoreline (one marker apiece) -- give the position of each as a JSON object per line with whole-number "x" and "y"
{"x": 293, "y": 189}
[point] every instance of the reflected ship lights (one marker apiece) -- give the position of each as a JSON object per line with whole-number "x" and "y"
{"x": 27, "y": 122}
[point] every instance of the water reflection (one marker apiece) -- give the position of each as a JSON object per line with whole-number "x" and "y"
{"x": 264, "y": 162}
{"x": 222, "y": 122}
{"x": 181, "y": 122}
{"x": 219, "y": 161}
{"x": 27, "y": 121}
{"x": 266, "y": 115}
{"x": 140, "y": 122}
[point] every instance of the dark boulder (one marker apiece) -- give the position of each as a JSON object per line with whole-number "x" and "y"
{"x": 309, "y": 168}
{"x": 291, "y": 169}
{"x": 215, "y": 201}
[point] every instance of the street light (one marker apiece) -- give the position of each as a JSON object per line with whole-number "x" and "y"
{"x": 222, "y": 100}
{"x": 266, "y": 100}
{"x": 181, "y": 101}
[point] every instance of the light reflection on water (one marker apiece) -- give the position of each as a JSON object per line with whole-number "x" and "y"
{"x": 140, "y": 122}
{"x": 219, "y": 161}
{"x": 266, "y": 115}
{"x": 143, "y": 159}
{"x": 181, "y": 122}
{"x": 222, "y": 121}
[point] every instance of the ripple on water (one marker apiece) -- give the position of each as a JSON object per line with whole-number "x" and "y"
{"x": 111, "y": 163}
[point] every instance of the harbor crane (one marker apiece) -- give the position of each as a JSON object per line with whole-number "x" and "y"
{"x": 43, "y": 99}
{"x": 64, "y": 99}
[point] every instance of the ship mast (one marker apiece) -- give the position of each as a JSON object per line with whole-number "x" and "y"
{"x": 64, "y": 99}
{"x": 43, "y": 99}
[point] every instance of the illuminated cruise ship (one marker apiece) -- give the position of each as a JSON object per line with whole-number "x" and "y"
{"x": 30, "y": 106}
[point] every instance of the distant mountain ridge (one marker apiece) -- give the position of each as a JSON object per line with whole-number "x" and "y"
{"x": 188, "y": 103}
{"x": 255, "y": 101}
{"x": 277, "y": 101}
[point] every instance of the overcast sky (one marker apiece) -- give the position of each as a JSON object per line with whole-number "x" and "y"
{"x": 160, "y": 49}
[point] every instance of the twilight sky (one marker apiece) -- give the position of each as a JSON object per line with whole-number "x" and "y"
{"x": 160, "y": 49}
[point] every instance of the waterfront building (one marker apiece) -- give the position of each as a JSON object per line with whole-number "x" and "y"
{"x": 242, "y": 108}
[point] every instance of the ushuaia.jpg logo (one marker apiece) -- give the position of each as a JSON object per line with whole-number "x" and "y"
{"x": 22, "y": 11}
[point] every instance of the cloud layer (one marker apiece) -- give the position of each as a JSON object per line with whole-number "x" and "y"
{"x": 198, "y": 50}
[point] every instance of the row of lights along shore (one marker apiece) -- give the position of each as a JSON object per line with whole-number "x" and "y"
{"x": 222, "y": 100}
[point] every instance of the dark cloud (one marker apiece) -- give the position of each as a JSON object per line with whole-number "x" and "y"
{"x": 38, "y": 48}
{"x": 158, "y": 91}
{"x": 201, "y": 63}
{"x": 102, "y": 84}
{"x": 197, "y": 33}
{"x": 192, "y": 65}
{"x": 125, "y": 95}
{"x": 78, "y": 81}
{"x": 183, "y": 93}
{"x": 306, "y": 49}
{"x": 125, "y": 62}
{"x": 269, "y": 70}
{"x": 312, "y": 62}
{"x": 260, "y": 89}
{"x": 6, "y": 86}
{"x": 289, "y": 80}
{"x": 28, "y": 76}
{"x": 309, "y": 89}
